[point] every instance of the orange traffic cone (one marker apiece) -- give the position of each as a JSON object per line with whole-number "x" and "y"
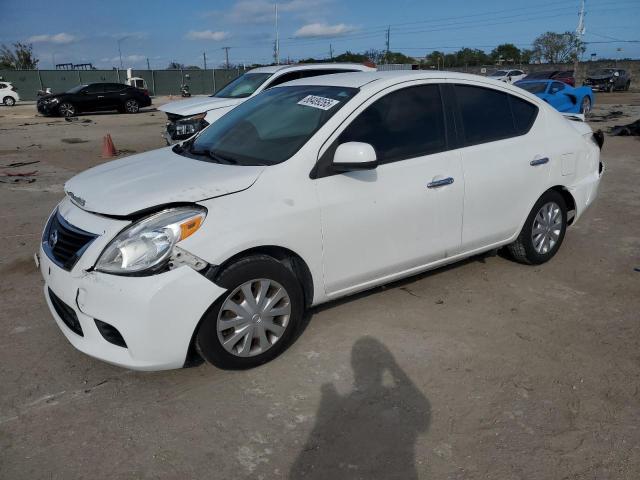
{"x": 108, "y": 148}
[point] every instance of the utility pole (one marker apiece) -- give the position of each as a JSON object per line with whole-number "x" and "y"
{"x": 120, "y": 40}
{"x": 148, "y": 66}
{"x": 387, "y": 43}
{"x": 580, "y": 30}
{"x": 277, "y": 44}
{"x": 226, "y": 56}
{"x": 331, "y": 51}
{"x": 204, "y": 56}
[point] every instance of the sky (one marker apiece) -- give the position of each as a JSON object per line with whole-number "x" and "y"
{"x": 89, "y": 31}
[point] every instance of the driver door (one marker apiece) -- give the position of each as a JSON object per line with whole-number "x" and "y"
{"x": 406, "y": 213}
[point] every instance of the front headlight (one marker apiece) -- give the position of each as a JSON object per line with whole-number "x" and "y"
{"x": 148, "y": 243}
{"x": 190, "y": 125}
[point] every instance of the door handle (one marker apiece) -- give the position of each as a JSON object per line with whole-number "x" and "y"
{"x": 539, "y": 161}
{"x": 440, "y": 183}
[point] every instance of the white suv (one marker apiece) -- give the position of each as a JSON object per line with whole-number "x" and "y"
{"x": 187, "y": 117}
{"x": 8, "y": 94}
{"x": 307, "y": 192}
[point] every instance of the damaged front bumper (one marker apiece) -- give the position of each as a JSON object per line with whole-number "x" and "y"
{"x": 142, "y": 323}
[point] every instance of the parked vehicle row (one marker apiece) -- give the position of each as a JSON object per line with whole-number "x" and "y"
{"x": 307, "y": 192}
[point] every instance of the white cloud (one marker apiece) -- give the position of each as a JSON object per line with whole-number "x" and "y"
{"x": 263, "y": 11}
{"x": 323, "y": 30}
{"x": 60, "y": 38}
{"x": 207, "y": 35}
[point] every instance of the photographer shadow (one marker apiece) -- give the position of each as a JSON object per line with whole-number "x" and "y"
{"x": 371, "y": 432}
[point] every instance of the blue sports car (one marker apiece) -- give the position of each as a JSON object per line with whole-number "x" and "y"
{"x": 563, "y": 97}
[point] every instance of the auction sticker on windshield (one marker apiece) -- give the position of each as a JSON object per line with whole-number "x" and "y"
{"x": 322, "y": 103}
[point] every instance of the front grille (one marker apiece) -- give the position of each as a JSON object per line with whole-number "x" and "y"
{"x": 66, "y": 314}
{"x": 63, "y": 243}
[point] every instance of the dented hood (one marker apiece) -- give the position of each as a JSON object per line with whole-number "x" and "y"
{"x": 196, "y": 105}
{"x": 155, "y": 178}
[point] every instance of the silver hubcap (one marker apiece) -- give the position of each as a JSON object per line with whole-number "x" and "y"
{"x": 9, "y": 102}
{"x": 66, "y": 109}
{"x": 547, "y": 226}
{"x": 253, "y": 317}
{"x": 131, "y": 106}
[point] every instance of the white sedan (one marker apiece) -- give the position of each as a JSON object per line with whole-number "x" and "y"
{"x": 508, "y": 76}
{"x": 308, "y": 192}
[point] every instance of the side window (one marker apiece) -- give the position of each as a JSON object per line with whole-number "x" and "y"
{"x": 113, "y": 87}
{"x": 403, "y": 124}
{"x": 287, "y": 77}
{"x": 517, "y": 72}
{"x": 556, "y": 87}
{"x": 486, "y": 114}
{"x": 95, "y": 88}
{"x": 524, "y": 114}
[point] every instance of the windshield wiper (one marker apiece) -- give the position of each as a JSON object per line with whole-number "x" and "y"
{"x": 214, "y": 155}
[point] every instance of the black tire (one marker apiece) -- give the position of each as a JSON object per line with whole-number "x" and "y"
{"x": 131, "y": 105}
{"x": 9, "y": 101}
{"x": 610, "y": 88}
{"x": 523, "y": 249}
{"x": 67, "y": 109}
{"x": 250, "y": 268}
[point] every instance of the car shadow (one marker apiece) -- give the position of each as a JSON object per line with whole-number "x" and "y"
{"x": 310, "y": 312}
{"x": 370, "y": 432}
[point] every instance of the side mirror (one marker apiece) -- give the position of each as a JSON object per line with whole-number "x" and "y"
{"x": 353, "y": 156}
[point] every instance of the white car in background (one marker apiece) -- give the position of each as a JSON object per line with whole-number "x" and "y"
{"x": 8, "y": 94}
{"x": 508, "y": 76}
{"x": 307, "y": 192}
{"x": 187, "y": 117}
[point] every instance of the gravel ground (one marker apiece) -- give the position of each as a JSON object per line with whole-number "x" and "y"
{"x": 485, "y": 369}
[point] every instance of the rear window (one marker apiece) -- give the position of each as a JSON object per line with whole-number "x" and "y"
{"x": 489, "y": 115}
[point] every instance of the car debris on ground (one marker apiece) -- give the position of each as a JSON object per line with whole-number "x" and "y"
{"x": 630, "y": 130}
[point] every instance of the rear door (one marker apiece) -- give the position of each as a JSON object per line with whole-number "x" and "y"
{"x": 90, "y": 98}
{"x": 505, "y": 161}
{"x": 406, "y": 213}
{"x": 114, "y": 95}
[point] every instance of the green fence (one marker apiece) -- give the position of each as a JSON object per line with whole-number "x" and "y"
{"x": 160, "y": 82}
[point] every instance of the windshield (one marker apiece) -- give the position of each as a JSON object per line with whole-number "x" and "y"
{"x": 76, "y": 89}
{"x": 270, "y": 127}
{"x": 243, "y": 86}
{"x": 533, "y": 87}
{"x": 499, "y": 73}
{"x": 604, "y": 71}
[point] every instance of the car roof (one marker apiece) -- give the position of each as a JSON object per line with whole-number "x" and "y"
{"x": 359, "y": 79}
{"x": 311, "y": 66}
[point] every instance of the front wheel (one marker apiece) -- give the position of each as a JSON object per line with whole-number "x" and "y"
{"x": 255, "y": 319}
{"x": 9, "y": 101}
{"x": 132, "y": 106}
{"x": 67, "y": 109}
{"x": 543, "y": 231}
{"x": 585, "y": 108}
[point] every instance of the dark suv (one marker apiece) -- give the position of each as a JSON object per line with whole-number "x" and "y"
{"x": 94, "y": 97}
{"x": 609, "y": 79}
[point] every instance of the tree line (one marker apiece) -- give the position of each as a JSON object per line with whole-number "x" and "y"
{"x": 550, "y": 47}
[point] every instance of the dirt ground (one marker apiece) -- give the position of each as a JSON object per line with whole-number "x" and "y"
{"x": 486, "y": 369}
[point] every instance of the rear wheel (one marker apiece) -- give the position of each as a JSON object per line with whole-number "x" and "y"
{"x": 67, "y": 109}
{"x": 9, "y": 101}
{"x": 543, "y": 231}
{"x": 256, "y": 318}
{"x": 132, "y": 106}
